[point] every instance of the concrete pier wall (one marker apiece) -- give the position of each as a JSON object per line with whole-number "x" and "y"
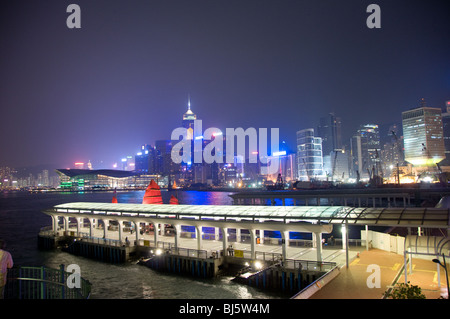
{"x": 279, "y": 279}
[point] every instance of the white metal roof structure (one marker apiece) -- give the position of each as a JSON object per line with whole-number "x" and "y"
{"x": 313, "y": 219}
{"x": 406, "y": 217}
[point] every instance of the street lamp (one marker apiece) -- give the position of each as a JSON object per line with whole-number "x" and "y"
{"x": 437, "y": 261}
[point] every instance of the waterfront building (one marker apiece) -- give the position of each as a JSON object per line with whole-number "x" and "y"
{"x": 145, "y": 160}
{"x": 189, "y": 173}
{"x": 392, "y": 153}
{"x": 230, "y": 175}
{"x": 6, "y": 177}
{"x": 446, "y": 131}
{"x": 365, "y": 151}
{"x": 78, "y": 165}
{"x": 423, "y": 136}
{"x": 309, "y": 155}
{"x": 163, "y": 162}
{"x": 336, "y": 165}
{"x": 287, "y": 164}
{"x": 84, "y": 179}
{"x": 127, "y": 163}
{"x": 329, "y": 130}
{"x": 43, "y": 179}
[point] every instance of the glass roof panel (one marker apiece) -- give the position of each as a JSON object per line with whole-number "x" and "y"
{"x": 334, "y": 214}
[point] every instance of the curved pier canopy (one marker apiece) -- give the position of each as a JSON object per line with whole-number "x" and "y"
{"x": 272, "y": 218}
{"x": 294, "y": 218}
{"x": 275, "y": 218}
{"x": 310, "y": 219}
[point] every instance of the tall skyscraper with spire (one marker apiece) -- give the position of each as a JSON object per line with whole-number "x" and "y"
{"x": 188, "y": 120}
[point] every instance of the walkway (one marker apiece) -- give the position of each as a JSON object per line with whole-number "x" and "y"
{"x": 351, "y": 282}
{"x": 329, "y": 254}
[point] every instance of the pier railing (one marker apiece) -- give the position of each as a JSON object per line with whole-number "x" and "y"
{"x": 43, "y": 283}
{"x": 47, "y": 231}
{"x": 102, "y": 241}
{"x": 169, "y": 248}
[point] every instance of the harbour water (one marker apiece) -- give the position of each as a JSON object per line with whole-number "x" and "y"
{"x": 21, "y": 218}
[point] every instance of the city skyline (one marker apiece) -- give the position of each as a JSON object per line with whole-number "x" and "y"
{"x": 123, "y": 80}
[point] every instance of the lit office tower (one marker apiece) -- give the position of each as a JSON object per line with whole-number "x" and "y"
{"x": 329, "y": 130}
{"x": 446, "y": 128}
{"x": 423, "y": 136}
{"x": 392, "y": 151}
{"x": 287, "y": 163}
{"x": 163, "y": 160}
{"x": 188, "y": 120}
{"x": 309, "y": 155}
{"x": 365, "y": 151}
{"x": 145, "y": 160}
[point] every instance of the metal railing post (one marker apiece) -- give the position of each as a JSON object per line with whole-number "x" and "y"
{"x": 62, "y": 281}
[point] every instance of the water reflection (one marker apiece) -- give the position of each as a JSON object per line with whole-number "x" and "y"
{"x": 21, "y": 218}
{"x": 184, "y": 197}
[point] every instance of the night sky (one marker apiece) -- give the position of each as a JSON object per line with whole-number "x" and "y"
{"x": 98, "y": 93}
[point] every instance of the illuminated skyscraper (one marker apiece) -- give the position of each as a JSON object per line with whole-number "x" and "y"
{"x": 145, "y": 160}
{"x": 423, "y": 136}
{"x": 309, "y": 155}
{"x": 365, "y": 151}
{"x": 392, "y": 151}
{"x": 446, "y": 128}
{"x": 329, "y": 130}
{"x": 188, "y": 120}
{"x": 164, "y": 164}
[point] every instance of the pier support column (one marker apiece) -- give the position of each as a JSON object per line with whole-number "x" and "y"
{"x": 177, "y": 235}
{"x": 344, "y": 235}
{"x": 155, "y": 233}
{"x": 216, "y": 233}
{"x": 284, "y": 243}
{"x": 105, "y": 227}
{"x": 55, "y": 222}
{"x": 345, "y": 241}
{"x": 318, "y": 240}
{"x": 137, "y": 229}
{"x": 253, "y": 242}
{"x": 66, "y": 223}
{"x": 78, "y": 220}
{"x": 225, "y": 240}
{"x": 198, "y": 230}
{"x": 91, "y": 227}
{"x": 238, "y": 233}
{"x": 367, "y": 237}
{"x": 120, "y": 229}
